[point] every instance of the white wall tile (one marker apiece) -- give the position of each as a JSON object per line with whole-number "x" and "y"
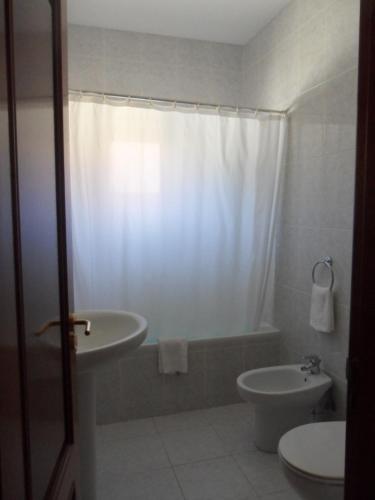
{"x": 85, "y": 41}
{"x": 121, "y": 45}
{"x": 153, "y": 66}
{"x": 87, "y": 73}
{"x": 342, "y": 21}
{"x": 307, "y": 56}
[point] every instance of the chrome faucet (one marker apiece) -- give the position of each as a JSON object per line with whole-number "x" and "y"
{"x": 312, "y": 364}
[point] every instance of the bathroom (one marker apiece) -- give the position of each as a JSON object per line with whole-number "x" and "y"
{"x": 211, "y": 193}
{"x": 302, "y": 59}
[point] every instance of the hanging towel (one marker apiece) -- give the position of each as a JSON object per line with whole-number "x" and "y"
{"x": 321, "y": 312}
{"x": 173, "y": 356}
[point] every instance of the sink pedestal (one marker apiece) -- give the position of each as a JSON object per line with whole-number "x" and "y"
{"x": 87, "y": 434}
{"x": 113, "y": 334}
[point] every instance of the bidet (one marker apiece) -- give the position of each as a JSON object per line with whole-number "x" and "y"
{"x": 283, "y": 398}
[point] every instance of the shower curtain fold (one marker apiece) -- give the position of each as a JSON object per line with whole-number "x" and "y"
{"x": 174, "y": 215}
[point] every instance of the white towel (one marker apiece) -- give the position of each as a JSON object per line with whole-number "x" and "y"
{"x": 173, "y": 356}
{"x": 321, "y": 312}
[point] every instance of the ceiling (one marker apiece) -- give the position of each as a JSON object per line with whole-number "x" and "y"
{"x": 227, "y": 21}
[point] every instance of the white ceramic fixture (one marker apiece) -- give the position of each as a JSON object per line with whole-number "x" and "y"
{"x": 313, "y": 459}
{"x": 112, "y": 335}
{"x": 283, "y": 398}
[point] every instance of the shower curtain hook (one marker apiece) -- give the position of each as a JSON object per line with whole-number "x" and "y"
{"x": 175, "y": 105}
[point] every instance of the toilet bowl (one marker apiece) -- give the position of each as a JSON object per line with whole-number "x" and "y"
{"x": 283, "y": 398}
{"x": 313, "y": 459}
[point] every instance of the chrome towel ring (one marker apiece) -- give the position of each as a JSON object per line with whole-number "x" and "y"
{"x": 328, "y": 262}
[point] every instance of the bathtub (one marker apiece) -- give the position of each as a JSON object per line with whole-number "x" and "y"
{"x": 133, "y": 387}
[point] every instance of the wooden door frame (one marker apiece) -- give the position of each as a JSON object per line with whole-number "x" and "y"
{"x": 63, "y": 489}
{"x": 63, "y": 482}
{"x": 360, "y": 445}
{"x": 18, "y": 285}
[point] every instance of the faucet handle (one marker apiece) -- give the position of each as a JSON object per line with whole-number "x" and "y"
{"x": 314, "y": 359}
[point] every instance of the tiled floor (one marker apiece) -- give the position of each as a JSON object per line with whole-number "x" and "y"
{"x": 198, "y": 455}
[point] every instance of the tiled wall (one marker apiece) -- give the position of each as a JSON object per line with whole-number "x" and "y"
{"x": 133, "y": 388}
{"x": 307, "y": 58}
{"x": 153, "y": 66}
{"x": 307, "y": 44}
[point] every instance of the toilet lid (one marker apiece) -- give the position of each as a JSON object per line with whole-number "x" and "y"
{"x": 316, "y": 450}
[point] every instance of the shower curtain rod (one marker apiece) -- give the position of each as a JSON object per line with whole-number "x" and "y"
{"x": 197, "y": 105}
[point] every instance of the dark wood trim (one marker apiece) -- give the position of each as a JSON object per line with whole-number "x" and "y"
{"x": 12, "y": 117}
{"x": 61, "y": 487}
{"x": 63, "y": 480}
{"x": 361, "y": 406}
{"x": 61, "y": 216}
{"x": 63, "y": 483}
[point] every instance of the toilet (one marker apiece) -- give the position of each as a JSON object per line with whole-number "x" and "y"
{"x": 313, "y": 459}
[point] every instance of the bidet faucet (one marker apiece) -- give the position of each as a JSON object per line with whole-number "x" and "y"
{"x": 312, "y": 364}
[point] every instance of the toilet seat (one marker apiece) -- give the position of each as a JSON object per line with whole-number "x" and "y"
{"x": 316, "y": 451}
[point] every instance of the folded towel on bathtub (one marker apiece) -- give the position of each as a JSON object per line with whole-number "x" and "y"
{"x": 173, "y": 356}
{"x": 321, "y": 312}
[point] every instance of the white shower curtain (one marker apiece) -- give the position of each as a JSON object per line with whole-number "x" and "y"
{"x": 174, "y": 215}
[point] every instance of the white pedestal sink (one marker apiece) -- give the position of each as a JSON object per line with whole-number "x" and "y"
{"x": 113, "y": 334}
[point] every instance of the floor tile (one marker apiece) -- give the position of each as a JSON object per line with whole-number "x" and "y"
{"x": 226, "y": 414}
{"x": 263, "y": 471}
{"x": 285, "y": 495}
{"x": 190, "y": 445}
{"x": 218, "y": 479}
{"x": 212, "y": 451}
{"x": 152, "y": 485}
{"x": 256, "y": 461}
{"x": 183, "y": 420}
{"x": 128, "y": 456}
{"x": 236, "y": 436}
{"x": 128, "y": 429}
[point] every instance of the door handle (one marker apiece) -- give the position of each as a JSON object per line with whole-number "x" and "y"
{"x": 72, "y": 323}
{"x": 83, "y": 322}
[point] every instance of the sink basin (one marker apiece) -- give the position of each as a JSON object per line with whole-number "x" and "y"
{"x": 113, "y": 334}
